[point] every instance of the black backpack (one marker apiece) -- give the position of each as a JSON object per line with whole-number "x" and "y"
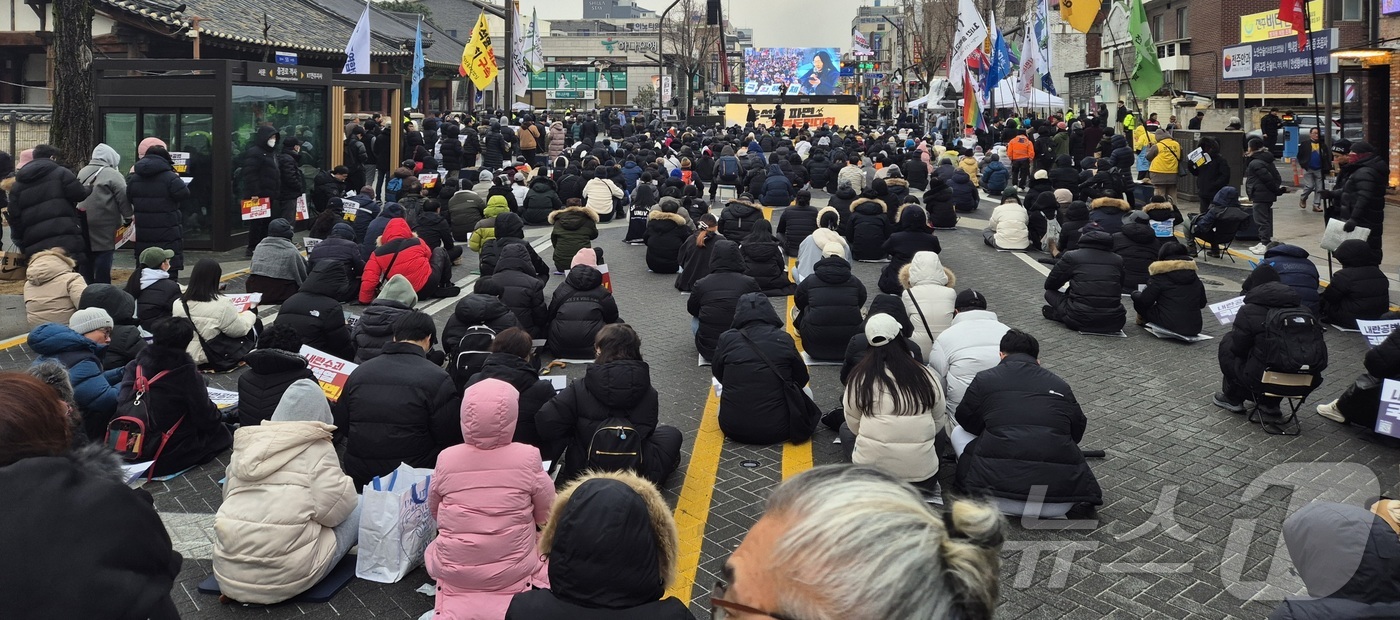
{"x": 471, "y": 353}
{"x": 1292, "y": 342}
{"x": 615, "y": 446}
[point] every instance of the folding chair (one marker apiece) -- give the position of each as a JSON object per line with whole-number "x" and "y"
{"x": 719, "y": 191}
{"x": 1223, "y": 248}
{"x": 1293, "y": 388}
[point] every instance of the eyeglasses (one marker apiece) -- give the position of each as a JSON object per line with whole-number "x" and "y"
{"x": 720, "y": 609}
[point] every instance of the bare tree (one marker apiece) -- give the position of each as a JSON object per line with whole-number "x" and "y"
{"x": 935, "y": 20}
{"x": 646, "y": 97}
{"x": 73, "y": 102}
{"x": 691, "y": 45}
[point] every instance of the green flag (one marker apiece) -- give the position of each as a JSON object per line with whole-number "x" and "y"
{"x": 1147, "y": 72}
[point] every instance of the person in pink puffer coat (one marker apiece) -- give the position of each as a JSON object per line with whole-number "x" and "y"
{"x": 487, "y": 496}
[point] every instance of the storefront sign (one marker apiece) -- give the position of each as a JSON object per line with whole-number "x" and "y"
{"x": 579, "y": 80}
{"x": 561, "y": 93}
{"x": 1266, "y": 25}
{"x": 287, "y": 74}
{"x": 1280, "y": 57}
{"x": 830, "y": 114}
{"x": 634, "y": 46}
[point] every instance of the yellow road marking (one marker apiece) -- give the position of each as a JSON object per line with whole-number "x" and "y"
{"x": 693, "y": 507}
{"x": 796, "y": 458}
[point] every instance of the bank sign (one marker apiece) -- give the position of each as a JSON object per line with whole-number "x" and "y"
{"x": 1280, "y": 57}
{"x": 631, "y": 46}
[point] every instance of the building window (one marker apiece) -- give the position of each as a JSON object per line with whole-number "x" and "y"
{"x": 1157, "y": 29}
{"x": 1182, "y": 29}
{"x": 880, "y": 27}
{"x": 1351, "y": 10}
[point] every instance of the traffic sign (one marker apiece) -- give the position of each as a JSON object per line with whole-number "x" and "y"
{"x": 874, "y": 76}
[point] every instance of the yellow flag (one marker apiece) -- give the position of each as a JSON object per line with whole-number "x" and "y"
{"x": 478, "y": 57}
{"x": 1080, "y": 13}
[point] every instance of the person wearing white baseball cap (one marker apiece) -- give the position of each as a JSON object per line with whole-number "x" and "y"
{"x": 894, "y": 408}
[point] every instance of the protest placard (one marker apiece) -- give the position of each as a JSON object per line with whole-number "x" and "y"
{"x": 1225, "y": 311}
{"x": 330, "y": 371}
{"x": 1388, "y": 418}
{"x": 256, "y": 208}
{"x": 1376, "y": 331}
{"x": 223, "y": 399}
{"x": 244, "y": 301}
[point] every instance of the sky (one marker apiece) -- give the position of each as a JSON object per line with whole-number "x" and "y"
{"x": 776, "y": 23}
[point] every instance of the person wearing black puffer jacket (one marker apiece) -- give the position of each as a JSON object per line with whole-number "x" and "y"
{"x": 1137, "y": 245}
{"x": 859, "y": 345}
{"x": 522, "y": 291}
{"x": 764, "y": 261}
{"x": 451, "y": 149}
{"x": 1243, "y": 351}
{"x": 1174, "y": 296}
{"x": 509, "y": 361}
{"x": 43, "y": 211}
{"x": 842, "y": 199}
{"x": 1108, "y": 213}
{"x": 540, "y": 200}
{"x": 317, "y": 315}
{"x": 1359, "y": 290}
{"x": 616, "y": 385}
{"x": 510, "y": 230}
{"x": 1076, "y": 218}
{"x": 736, "y": 221}
{"x": 1064, "y": 176}
{"x": 340, "y": 247}
{"x": 829, "y": 307}
{"x": 1294, "y": 269}
{"x": 915, "y": 171}
{"x": 818, "y": 169}
{"x": 938, "y": 203}
{"x": 1094, "y": 273}
{"x": 273, "y": 366}
{"x": 1264, "y": 185}
{"x": 797, "y": 223}
{"x": 579, "y": 309}
{"x": 867, "y": 228}
{"x": 155, "y": 192}
{"x": 666, "y": 232}
{"x": 483, "y": 307}
{"x": 1361, "y": 189}
{"x": 398, "y": 407}
{"x": 913, "y": 236}
{"x": 752, "y": 408}
{"x": 261, "y": 178}
{"x": 965, "y": 198}
{"x": 376, "y": 325}
{"x": 714, "y": 296}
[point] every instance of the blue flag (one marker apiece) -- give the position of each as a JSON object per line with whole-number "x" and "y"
{"x": 1002, "y": 59}
{"x": 417, "y": 64}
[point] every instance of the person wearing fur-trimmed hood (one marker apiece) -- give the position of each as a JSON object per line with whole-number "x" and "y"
{"x": 611, "y": 542}
{"x": 868, "y": 227}
{"x": 574, "y": 227}
{"x": 1174, "y": 295}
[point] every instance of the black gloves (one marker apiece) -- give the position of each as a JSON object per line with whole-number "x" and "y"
{"x": 1349, "y": 226}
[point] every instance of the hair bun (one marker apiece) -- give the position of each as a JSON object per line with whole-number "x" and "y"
{"x": 975, "y": 523}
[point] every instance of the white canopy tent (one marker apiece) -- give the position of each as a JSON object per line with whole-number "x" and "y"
{"x": 1006, "y": 93}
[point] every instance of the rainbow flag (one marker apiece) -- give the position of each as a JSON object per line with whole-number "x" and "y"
{"x": 972, "y": 109}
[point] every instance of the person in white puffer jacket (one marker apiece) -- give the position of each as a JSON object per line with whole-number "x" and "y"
{"x": 1009, "y": 227}
{"x": 289, "y": 514}
{"x": 212, "y": 313}
{"x": 969, "y": 346}
{"x": 928, "y": 297}
{"x": 598, "y": 194}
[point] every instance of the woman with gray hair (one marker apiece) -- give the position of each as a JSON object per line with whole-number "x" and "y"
{"x": 855, "y": 543}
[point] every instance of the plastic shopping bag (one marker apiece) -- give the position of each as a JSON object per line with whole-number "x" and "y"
{"x": 395, "y": 525}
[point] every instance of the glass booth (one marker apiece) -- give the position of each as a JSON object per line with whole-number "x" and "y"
{"x": 211, "y": 109}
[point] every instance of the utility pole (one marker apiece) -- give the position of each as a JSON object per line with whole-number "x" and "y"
{"x": 661, "y": 57}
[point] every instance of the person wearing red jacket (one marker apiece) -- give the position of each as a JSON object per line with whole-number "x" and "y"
{"x": 400, "y": 252}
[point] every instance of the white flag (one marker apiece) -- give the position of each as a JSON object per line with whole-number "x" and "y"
{"x": 1043, "y": 43}
{"x": 971, "y": 33}
{"x": 520, "y": 74}
{"x": 1025, "y": 80}
{"x": 534, "y": 52}
{"x": 860, "y": 46}
{"x": 357, "y": 49}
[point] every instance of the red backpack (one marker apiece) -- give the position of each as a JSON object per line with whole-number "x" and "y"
{"x": 131, "y": 434}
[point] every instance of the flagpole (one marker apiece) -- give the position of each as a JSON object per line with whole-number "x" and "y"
{"x": 1322, "y": 122}
{"x": 1131, "y": 92}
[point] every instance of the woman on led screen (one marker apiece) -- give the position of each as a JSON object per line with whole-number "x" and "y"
{"x": 821, "y": 78}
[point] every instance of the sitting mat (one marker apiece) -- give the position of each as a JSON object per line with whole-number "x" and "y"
{"x": 324, "y": 589}
{"x": 1166, "y": 334}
